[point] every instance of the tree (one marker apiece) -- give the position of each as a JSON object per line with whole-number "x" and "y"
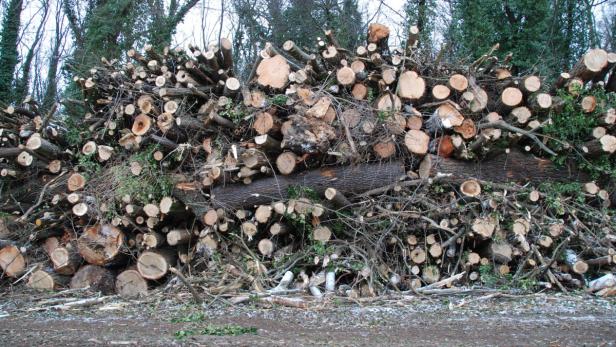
{"x": 422, "y": 14}
{"x": 9, "y": 56}
{"x": 23, "y": 83}
{"x": 301, "y": 21}
{"x": 58, "y": 43}
{"x": 164, "y": 22}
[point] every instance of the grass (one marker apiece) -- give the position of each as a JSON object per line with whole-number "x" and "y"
{"x": 217, "y": 330}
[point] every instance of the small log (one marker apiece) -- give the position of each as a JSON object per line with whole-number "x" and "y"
{"x": 153, "y": 239}
{"x": 179, "y": 237}
{"x": 591, "y": 64}
{"x": 47, "y": 280}
{"x": 470, "y": 188}
{"x": 95, "y": 278}
{"x": 39, "y": 145}
{"x": 76, "y": 182}
{"x": 511, "y": 97}
{"x": 384, "y": 149}
{"x": 286, "y": 162}
{"x": 141, "y": 125}
{"x": 131, "y": 285}
{"x": 154, "y": 264}
{"x": 501, "y": 252}
{"x": 65, "y": 260}
{"x": 531, "y": 84}
{"x": 12, "y": 261}
{"x": 321, "y": 233}
{"x": 440, "y": 92}
{"x": 278, "y": 229}
{"x": 266, "y": 247}
{"x": 430, "y": 274}
{"x": 458, "y": 82}
{"x": 418, "y": 255}
{"x": 336, "y": 197}
{"x": 249, "y": 229}
{"x": 345, "y": 76}
{"x": 417, "y": 142}
{"x": 273, "y": 72}
{"x": 263, "y": 213}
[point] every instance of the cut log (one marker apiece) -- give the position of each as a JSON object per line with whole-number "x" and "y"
{"x": 141, "y": 125}
{"x": 449, "y": 115}
{"x": 501, "y": 252}
{"x": 417, "y": 142}
{"x": 47, "y": 280}
{"x": 592, "y": 63}
{"x": 418, "y": 255}
{"x": 278, "y": 229}
{"x": 458, "y": 83}
{"x": 154, "y": 264}
{"x": 286, "y": 162}
{"x": 76, "y": 182}
{"x": 65, "y": 260}
{"x": 273, "y": 72}
{"x": 511, "y": 97}
{"x": 411, "y": 86}
{"x": 345, "y": 76}
{"x": 131, "y": 285}
{"x": 266, "y": 247}
{"x": 179, "y": 237}
{"x": 321, "y": 233}
{"x": 12, "y": 261}
{"x": 264, "y": 122}
{"x": 39, "y": 145}
{"x": 430, "y": 274}
{"x": 384, "y": 149}
{"x": 153, "y": 239}
{"x": 336, "y": 197}
{"x": 102, "y": 245}
{"x": 440, "y": 92}
{"x": 95, "y": 278}
{"x": 470, "y": 188}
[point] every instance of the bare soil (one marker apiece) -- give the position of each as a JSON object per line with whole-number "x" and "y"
{"x": 534, "y": 320}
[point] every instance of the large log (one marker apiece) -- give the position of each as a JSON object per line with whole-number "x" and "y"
{"x": 94, "y": 277}
{"x": 101, "y": 245}
{"x": 347, "y": 180}
{"x": 511, "y": 167}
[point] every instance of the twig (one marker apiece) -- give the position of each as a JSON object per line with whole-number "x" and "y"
{"x": 192, "y": 290}
{"x": 40, "y": 199}
{"x": 506, "y": 126}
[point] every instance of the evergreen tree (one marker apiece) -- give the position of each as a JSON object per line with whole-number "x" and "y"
{"x": 8, "y": 49}
{"x": 422, "y": 14}
{"x": 163, "y": 22}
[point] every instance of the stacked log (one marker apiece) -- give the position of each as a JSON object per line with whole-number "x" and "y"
{"x": 335, "y": 154}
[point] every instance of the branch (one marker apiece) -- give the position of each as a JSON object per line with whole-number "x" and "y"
{"x": 506, "y": 126}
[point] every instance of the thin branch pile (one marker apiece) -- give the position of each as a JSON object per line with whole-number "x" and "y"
{"x": 328, "y": 170}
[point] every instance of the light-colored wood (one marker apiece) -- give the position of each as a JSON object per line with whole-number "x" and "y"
{"x": 286, "y": 162}
{"x": 154, "y": 264}
{"x": 75, "y": 182}
{"x": 470, "y": 188}
{"x": 321, "y": 233}
{"x": 101, "y": 245}
{"x": 131, "y": 285}
{"x": 266, "y": 247}
{"x": 12, "y": 261}
{"x": 179, "y": 237}
{"x": 417, "y": 142}
{"x": 411, "y": 86}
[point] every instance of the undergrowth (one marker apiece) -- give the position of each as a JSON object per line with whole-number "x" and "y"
{"x": 570, "y": 128}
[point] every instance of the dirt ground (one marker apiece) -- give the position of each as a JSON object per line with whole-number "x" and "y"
{"x": 479, "y": 320}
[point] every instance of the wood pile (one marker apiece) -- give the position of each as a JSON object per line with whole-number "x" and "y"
{"x": 359, "y": 170}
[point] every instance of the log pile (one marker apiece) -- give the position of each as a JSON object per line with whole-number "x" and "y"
{"x": 359, "y": 169}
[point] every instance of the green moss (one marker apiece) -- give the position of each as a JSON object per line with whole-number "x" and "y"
{"x": 235, "y": 113}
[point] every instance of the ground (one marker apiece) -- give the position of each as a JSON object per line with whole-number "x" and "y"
{"x": 171, "y": 320}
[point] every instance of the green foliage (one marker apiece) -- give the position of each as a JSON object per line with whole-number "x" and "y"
{"x": 9, "y": 37}
{"x": 234, "y": 113}
{"x": 382, "y": 116}
{"x": 371, "y": 95}
{"x": 551, "y": 32}
{"x": 193, "y": 317}
{"x": 491, "y": 278}
{"x": 150, "y": 185}
{"x": 74, "y": 132}
{"x": 279, "y": 100}
{"x": 228, "y": 330}
{"x": 301, "y": 21}
{"x": 556, "y": 192}
{"x": 296, "y": 192}
{"x": 570, "y": 128}
{"x": 88, "y": 164}
{"x": 422, "y": 13}
{"x": 213, "y": 330}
